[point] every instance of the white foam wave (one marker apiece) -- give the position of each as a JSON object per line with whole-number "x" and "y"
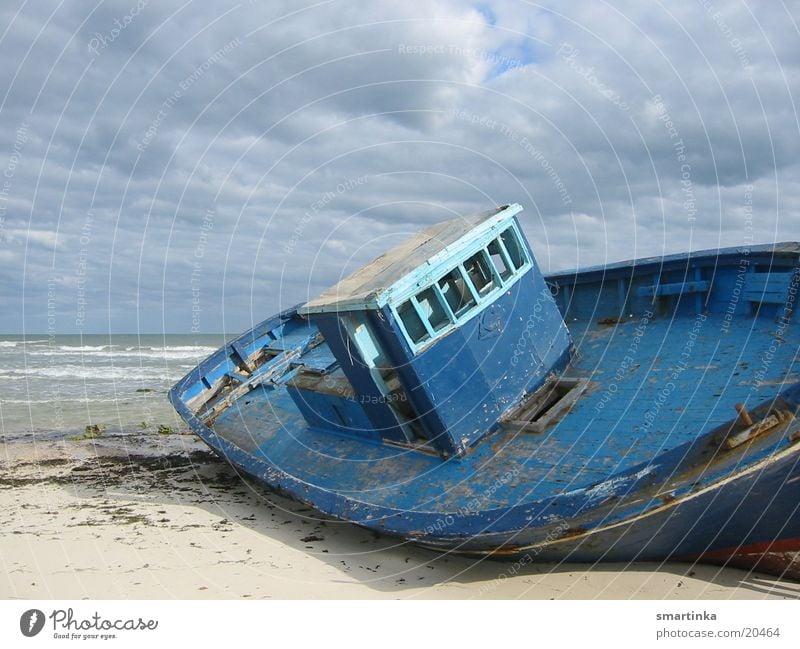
{"x": 164, "y": 354}
{"x": 60, "y": 400}
{"x": 181, "y": 348}
{"x": 84, "y": 348}
{"x": 93, "y": 373}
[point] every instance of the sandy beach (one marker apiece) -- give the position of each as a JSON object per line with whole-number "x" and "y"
{"x": 154, "y": 516}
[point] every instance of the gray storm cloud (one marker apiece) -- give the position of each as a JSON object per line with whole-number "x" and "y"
{"x": 198, "y": 166}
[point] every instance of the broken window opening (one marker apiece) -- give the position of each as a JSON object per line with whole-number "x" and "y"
{"x": 412, "y": 323}
{"x": 479, "y": 273}
{"x": 513, "y": 248}
{"x": 456, "y": 292}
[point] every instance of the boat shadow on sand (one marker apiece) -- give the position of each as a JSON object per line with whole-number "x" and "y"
{"x": 118, "y": 473}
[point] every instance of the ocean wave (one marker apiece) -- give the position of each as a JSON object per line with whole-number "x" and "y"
{"x": 93, "y": 373}
{"x": 60, "y": 400}
{"x": 53, "y": 349}
{"x": 83, "y": 348}
{"x": 184, "y": 348}
{"x": 167, "y": 353}
{"x": 14, "y": 343}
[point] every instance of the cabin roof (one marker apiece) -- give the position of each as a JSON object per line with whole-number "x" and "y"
{"x": 370, "y": 285}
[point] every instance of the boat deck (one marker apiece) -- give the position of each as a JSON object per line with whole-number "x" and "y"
{"x": 655, "y": 384}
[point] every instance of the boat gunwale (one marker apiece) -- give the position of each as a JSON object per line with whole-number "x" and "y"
{"x": 641, "y": 264}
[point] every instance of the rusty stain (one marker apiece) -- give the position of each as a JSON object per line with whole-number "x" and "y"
{"x": 777, "y": 558}
{"x": 505, "y": 550}
{"x": 573, "y": 531}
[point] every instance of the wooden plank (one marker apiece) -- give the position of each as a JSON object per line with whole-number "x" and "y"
{"x": 678, "y": 288}
{"x": 767, "y": 288}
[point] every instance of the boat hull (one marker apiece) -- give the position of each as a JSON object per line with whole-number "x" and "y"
{"x": 749, "y": 521}
{"x": 747, "y": 517}
{"x": 657, "y": 460}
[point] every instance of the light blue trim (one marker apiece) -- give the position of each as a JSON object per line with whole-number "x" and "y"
{"x": 468, "y": 282}
{"x": 450, "y": 315}
{"x": 423, "y": 276}
{"x": 490, "y": 265}
{"x": 402, "y": 326}
{"x": 480, "y": 301}
{"x": 506, "y": 256}
{"x": 423, "y": 318}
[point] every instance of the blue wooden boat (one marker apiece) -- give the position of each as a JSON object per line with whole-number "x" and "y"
{"x": 450, "y": 394}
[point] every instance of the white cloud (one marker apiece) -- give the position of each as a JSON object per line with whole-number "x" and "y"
{"x": 446, "y": 108}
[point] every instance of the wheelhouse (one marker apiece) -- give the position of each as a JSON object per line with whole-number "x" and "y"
{"x": 437, "y": 338}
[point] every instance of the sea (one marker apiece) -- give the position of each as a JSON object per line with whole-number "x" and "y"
{"x": 56, "y": 385}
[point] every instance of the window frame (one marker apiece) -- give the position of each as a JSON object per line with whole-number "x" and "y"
{"x": 479, "y": 301}
{"x": 504, "y": 256}
{"x": 414, "y": 307}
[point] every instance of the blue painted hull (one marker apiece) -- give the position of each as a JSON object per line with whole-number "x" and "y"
{"x": 639, "y": 468}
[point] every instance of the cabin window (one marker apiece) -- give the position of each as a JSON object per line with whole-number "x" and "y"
{"x": 511, "y": 243}
{"x": 456, "y": 292}
{"x": 500, "y": 261}
{"x": 361, "y": 334}
{"x": 432, "y": 309}
{"x": 479, "y": 273}
{"x": 412, "y": 323}
{"x": 460, "y": 293}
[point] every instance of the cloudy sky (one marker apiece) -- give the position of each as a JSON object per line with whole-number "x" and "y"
{"x": 177, "y": 165}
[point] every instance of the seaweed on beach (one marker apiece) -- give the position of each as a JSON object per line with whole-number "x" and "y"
{"x": 92, "y": 431}
{"x": 104, "y": 470}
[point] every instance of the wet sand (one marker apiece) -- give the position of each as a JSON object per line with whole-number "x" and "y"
{"x": 154, "y": 516}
